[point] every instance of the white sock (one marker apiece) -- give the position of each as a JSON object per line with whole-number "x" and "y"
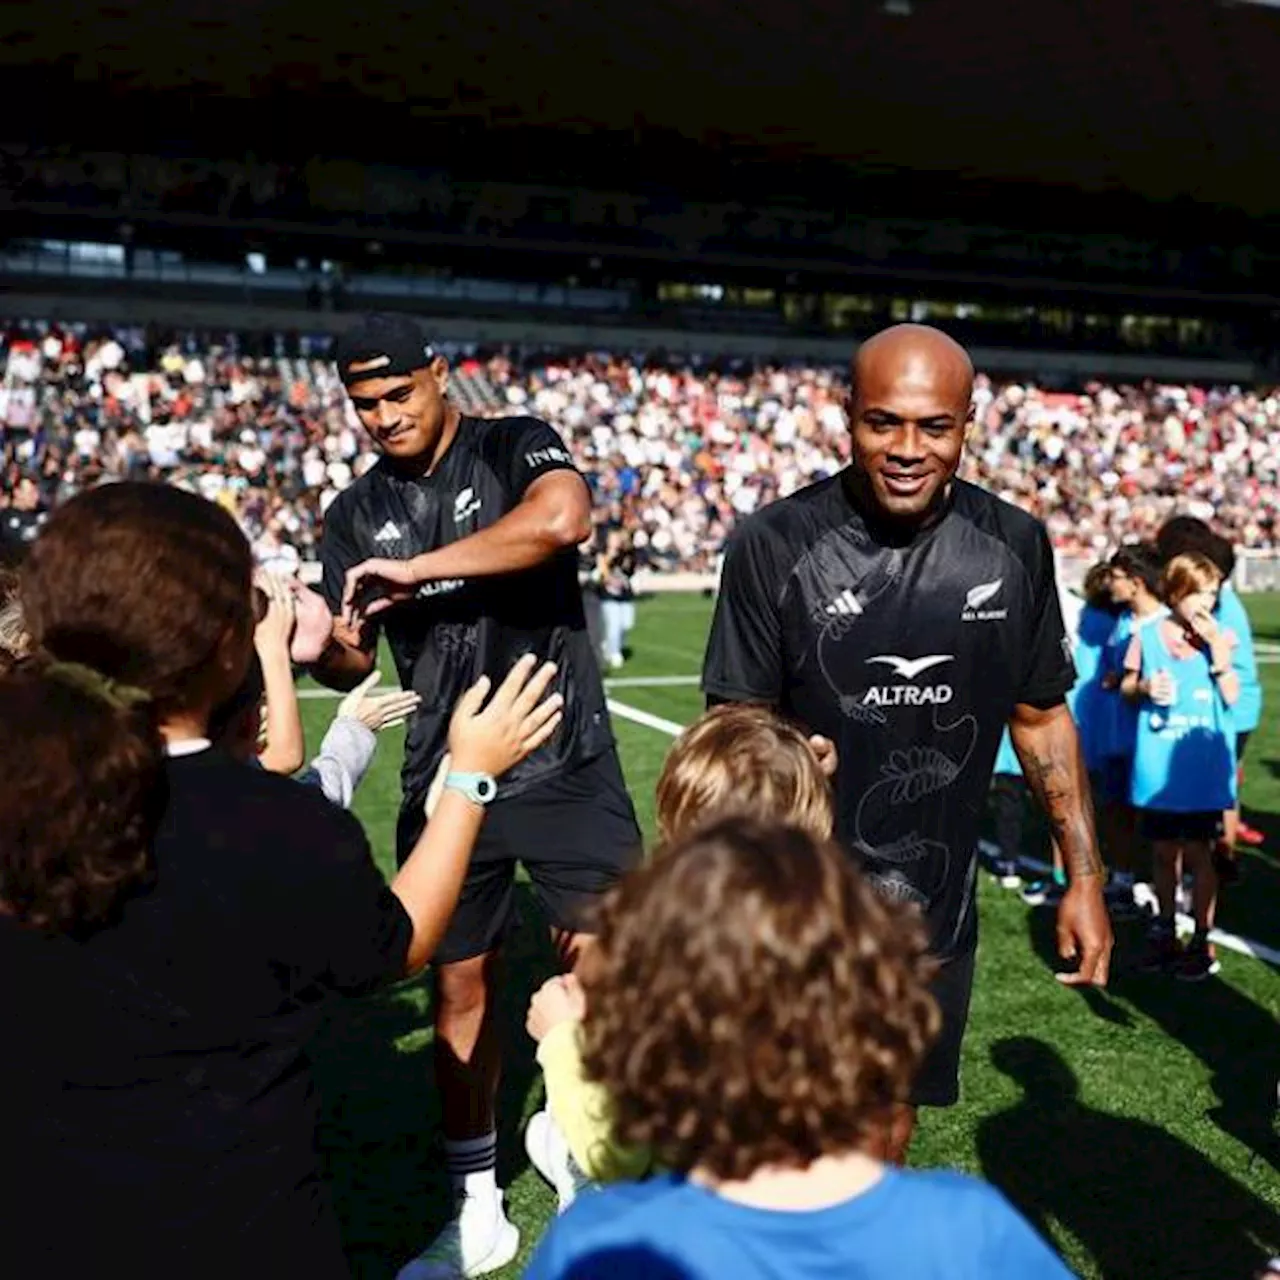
{"x": 472, "y": 1164}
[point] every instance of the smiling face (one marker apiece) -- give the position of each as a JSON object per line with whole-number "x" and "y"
{"x": 403, "y": 414}
{"x": 911, "y": 406}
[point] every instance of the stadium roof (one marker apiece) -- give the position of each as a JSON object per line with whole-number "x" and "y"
{"x": 1161, "y": 98}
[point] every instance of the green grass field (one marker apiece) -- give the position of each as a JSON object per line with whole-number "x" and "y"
{"x": 1133, "y": 1126}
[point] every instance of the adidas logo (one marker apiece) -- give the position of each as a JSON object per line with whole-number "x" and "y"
{"x": 388, "y": 533}
{"x": 845, "y": 604}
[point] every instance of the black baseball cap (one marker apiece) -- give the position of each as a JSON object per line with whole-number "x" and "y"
{"x": 396, "y": 342}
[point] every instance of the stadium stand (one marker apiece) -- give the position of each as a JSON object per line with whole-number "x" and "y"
{"x": 676, "y": 449}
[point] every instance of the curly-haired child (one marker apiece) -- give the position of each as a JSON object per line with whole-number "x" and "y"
{"x": 736, "y": 758}
{"x": 754, "y": 1010}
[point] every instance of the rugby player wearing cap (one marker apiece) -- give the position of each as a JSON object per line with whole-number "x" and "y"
{"x": 460, "y": 544}
{"x": 908, "y": 616}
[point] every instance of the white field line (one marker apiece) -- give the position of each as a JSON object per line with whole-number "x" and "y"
{"x": 620, "y": 682}
{"x": 1231, "y": 941}
{"x": 1143, "y": 892}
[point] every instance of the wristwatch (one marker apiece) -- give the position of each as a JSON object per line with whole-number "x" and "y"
{"x": 479, "y": 788}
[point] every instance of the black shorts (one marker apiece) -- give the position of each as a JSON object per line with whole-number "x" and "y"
{"x": 938, "y": 1080}
{"x": 1242, "y": 743}
{"x": 576, "y": 835}
{"x": 1160, "y": 824}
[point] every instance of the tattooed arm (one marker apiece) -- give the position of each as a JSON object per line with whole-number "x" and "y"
{"x": 1048, "y": 746}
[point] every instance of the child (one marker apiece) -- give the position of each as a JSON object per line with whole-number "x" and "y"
{"x": 1179, "y": 670}
{"x": 754, "y": 1009}
{"x": 1182, "y": 534}
{"x": 734, "y": 758}
{"x": 1135, "y": 586}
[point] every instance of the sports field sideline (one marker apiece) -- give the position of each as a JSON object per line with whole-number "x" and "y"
{"x": 1134, "y": 1126}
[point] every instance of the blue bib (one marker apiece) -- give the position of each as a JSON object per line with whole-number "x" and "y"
{"x": 1185, "y": 757}
{"x": 1090, "y": 703}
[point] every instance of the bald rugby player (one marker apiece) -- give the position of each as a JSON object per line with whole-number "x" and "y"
{"x": 907, "y": 617}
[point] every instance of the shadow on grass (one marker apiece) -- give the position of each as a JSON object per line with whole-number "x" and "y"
{"x": 379, "y": 1133}
{"x": 1139, "y": 1200}
{"x": 1249, "y": 907}
{"x": 1234, "y": 1037}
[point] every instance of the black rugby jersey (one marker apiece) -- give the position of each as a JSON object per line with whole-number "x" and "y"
{"x": 909, "y": 657}
{"x": 456, "y": 631}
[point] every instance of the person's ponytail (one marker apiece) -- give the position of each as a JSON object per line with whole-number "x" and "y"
{"x": 84, "y": 788}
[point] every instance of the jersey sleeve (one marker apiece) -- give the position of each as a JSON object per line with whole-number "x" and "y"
{"x": 532, "y": 448}
{"x": 744, "y": 650}
{"x": 1048, "y": 671}
{"x": 338, "y": 553}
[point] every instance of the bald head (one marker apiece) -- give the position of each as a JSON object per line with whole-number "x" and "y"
{"x": 910, "y": 410}
{"x": 914, "y": 353}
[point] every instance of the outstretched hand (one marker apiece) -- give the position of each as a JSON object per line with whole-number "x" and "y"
{"x": 1084, "y": 933}
{"x": 378, "y": 711}
{"x": 273, "y": 633}
{"x": 395, "y": 580}
{"x": 491, "y": 734}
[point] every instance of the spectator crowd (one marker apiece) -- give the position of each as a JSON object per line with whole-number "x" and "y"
{"x": 675, "y": 451}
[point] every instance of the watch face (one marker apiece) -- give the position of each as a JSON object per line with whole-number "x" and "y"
{"x": 486, "y": 788}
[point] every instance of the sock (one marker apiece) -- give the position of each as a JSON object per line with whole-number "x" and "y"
{"x": 473, "y": 1167}
{"x": 1125, "y": 879}
{"x": 1059, "y": 876}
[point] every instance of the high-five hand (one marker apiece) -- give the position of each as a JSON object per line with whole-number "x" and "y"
{"x": 394, "y": 580}
{"x": 516, "y": 721}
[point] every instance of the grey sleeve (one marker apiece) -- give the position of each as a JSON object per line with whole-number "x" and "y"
{"x": 345, "y": 756}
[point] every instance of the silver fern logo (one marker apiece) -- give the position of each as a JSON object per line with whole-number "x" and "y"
{"x": 980, "y": 595}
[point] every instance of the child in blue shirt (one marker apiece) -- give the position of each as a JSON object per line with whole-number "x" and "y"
{"x": 1182, "y": 534}
{"x": 1179, "y": 671}
{"x": 753, "y": 1008}
{"x": 1135, "y": 587}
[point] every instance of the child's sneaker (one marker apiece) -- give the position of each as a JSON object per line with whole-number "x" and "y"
{"x": 1198, "y": 961}
{"x": 1249, "y": 835}
{"x": 1161, "y": 953}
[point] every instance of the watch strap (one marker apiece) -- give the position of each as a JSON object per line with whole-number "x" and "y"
{"x": 477, "y": 787}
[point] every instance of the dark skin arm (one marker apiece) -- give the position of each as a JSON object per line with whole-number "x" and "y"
{"x": 348, "y": 658}
{"x": 1048, "y": 746}
{"x": 554, "y": 514}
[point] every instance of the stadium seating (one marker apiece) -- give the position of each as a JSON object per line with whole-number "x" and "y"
{"x": 675, "y": 454}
